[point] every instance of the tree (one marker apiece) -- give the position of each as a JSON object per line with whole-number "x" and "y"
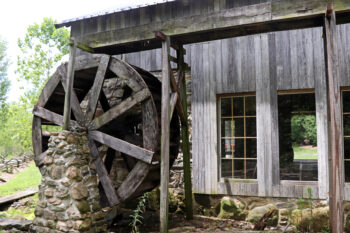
{"x": 42, "y": 49}
{"x": 4, "y": 81}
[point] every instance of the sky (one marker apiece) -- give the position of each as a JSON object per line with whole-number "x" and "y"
{"x": 17, "y": 15}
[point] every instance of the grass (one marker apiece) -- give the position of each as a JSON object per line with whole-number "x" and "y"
{"x": 304, "y": 153}
{"x": 29, "y": 177}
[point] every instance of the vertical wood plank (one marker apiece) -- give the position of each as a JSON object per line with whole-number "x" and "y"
{"x": 185, "y": 140}
{"x": 70, "y": 81}
{"x": 165, "y": 137}
{"x": 321, "y": 113}
{"x": 336, "y": 183}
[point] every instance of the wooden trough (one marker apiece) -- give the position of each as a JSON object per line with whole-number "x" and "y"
{"x": 131, "y": 126}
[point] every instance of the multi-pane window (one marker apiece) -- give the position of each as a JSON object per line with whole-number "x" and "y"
{"x": 238, "y": 137}
{"x": 346, "y": 125}
{"x": 297, "y": 137}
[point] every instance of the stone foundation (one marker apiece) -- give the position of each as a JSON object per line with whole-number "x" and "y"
{"x": 306, "y": 215}
{"x": 68, "y": 193}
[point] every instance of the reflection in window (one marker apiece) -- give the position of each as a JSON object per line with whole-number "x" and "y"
{"x": 238, "y": 137}
{"x": 346, "y": 125}
{"x": 297, "y": 137}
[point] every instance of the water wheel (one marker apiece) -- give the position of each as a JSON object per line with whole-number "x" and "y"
{"x": 129, "y": 126}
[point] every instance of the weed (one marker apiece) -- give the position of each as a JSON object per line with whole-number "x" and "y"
{"x": 136, "y": 217}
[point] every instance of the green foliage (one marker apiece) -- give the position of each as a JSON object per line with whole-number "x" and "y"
{"x": 42, "y": 50}
{"x": 4, "y": 82}
{"x": 25, "y": 179}
{"x": 136, "y": 217}
{"x": 304, "y": 127}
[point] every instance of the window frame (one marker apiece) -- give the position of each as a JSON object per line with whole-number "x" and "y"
{"x": 219, "y": 138}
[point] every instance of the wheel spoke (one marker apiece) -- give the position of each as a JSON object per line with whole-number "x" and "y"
{"x": 119, "y": 109}
{"x": 96, "y": 88}
{"x": 103, "y": 174}
{"x": 134, "y": 179}
{"x": 78, "y": 113}
{"x": 49, "y": 116}
{"x": 122, "y": 146}
{"x": 49, "y": 87}
{"x": 37, "y": 136}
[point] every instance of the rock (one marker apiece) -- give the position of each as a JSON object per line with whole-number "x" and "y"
{"x": 232, "y": 208}
{"x": 257, "y": 213}
{"x": 73, "y": 213}
{"x": 56, "y": 172}
{"x": 314, "y": 222}
{"x": 71, "y": 139}
{"x": 153, "y": 200}
{"x": 49, "y": 192}
{"x": 83, "y": 206}
{"x": 74, "y": 173}
{"x": 62, "y": 226}
{"x": 347, "y": 223}
{"x": 79, "y": 191}
{"x": 54, "y": 201}
{"x": 82, "y": 224}
{"x": 8, "y": 224}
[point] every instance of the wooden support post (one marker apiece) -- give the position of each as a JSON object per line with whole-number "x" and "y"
{"x": 336, "y": 182}
{"x": 164, "y": 173}
{"x": 185, "y": 137}
{"x": 70, "y": 81}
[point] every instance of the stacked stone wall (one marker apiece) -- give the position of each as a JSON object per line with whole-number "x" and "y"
{"x": 68, "y": 194}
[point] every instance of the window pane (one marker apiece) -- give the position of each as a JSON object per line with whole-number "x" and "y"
{"x": 226, "y": 168}
{"x": 347, "y": 171}
{"x": 226, "y": 148}
{"x": 251, "y": 148}
{"x": 238, "y": 125}
{"x": 238, "y": 169}
{"x": 238, "y": 107}
{"x": 250, "y": 127}
{"x": 238, "y": 137}
{"x": 226, "y": 107}
{"x": 297, "y": 137}
{"x": 226, "y": 128}
{"x": 346, "y": 101}
{"x": 346, "y": 123}
{"x": 346, "y": 148}
{"x": 250, "y": 107}
{"x": 238, "y": 148}
{"x": 251, "y": 169}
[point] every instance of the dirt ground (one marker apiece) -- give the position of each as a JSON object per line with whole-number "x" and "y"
{"x": 178, "y": 224}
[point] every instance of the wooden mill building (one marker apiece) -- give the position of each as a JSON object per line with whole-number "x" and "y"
{"x": 253, "y": 64}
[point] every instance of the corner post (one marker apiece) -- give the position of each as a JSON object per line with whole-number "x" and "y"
{"x": 70, "y": 81}
{"x": 164, "y": 165}
{"x": 185, "y": 136}
{"x": 336, "y": 182}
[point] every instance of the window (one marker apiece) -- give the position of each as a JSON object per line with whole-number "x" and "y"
{"x": 238, "y": 137}
{"x": 346, "y": 125}
{"x": 297, "y": 137}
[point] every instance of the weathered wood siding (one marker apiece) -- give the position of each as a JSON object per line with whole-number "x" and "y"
{"x": 265, "y": 64}
{"x": 154, "y": 13}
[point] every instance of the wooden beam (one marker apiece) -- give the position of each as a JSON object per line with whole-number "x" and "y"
{"x": 123, "y": 146}
{"x": 119, "y": 109}
{"x": 165, "y": 134}
{"x": 336, "y": 183}
{"x": 185, "y": 139}
{"x": 50, "y": 116}
{"x": 179, "y": 109}
{"x": 106, "y": 182}
{"x": 37, "y": 136}
{"x": 70, "y": 81}
{"x": 253, "y": 19}
{"x": 97, "y": 88}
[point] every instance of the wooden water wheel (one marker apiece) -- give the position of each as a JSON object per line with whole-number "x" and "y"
{"x": 129, "y": 125}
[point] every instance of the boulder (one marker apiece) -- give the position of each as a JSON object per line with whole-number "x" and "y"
{"x": 308, "y": 220}
{"x": 232, "y": 208}
{"x": 258, "y": 212}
